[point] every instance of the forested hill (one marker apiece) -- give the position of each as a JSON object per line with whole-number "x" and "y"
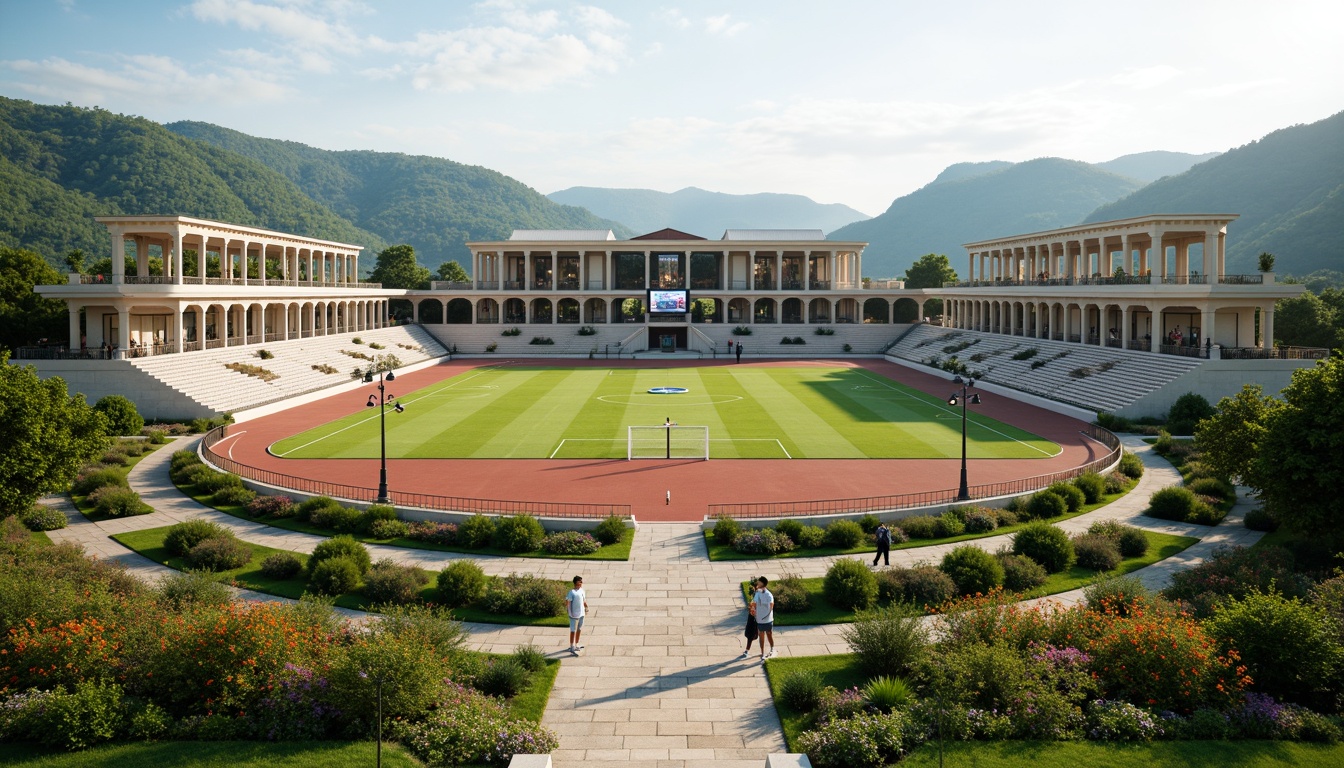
{"x": 705, "y": 213}
{"x": 61, "y": 166}
{"x": 433, "y": 204}
{"x": 1288, "y": 188}
{"x": 968, "y": 205}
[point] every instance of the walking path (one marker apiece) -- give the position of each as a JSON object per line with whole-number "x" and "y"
{"x": 661, "y": 682}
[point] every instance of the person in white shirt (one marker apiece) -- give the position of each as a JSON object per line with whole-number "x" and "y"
{"x": 576, "y": 602}
{"x": 763, "y": 604}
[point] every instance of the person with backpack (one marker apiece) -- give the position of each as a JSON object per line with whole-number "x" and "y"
{"x": 883, "y": 536}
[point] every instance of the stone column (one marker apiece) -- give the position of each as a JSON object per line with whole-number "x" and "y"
{"x": 176, "y": 256}
{"x": 118, "y": 254}
{"x": 1208, "y": 325}
{"x": 1267, "y": 326}
{"x": 1211, "y": 262}
{"x": 1157, "y": 253}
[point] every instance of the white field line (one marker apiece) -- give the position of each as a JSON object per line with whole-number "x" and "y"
{"x": 986, "y": 427}
{"x": 564, "y": 440}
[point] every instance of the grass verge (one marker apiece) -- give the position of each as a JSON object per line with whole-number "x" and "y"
{"x": 82, "y": 502}
{"x": 149, "y": 543}
{"x": 211, "y": 754}
{"x": 1162, "y": 754}
{"x": 839, "y": 670}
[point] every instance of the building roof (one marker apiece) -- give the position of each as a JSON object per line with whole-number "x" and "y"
{"x": 587, "y": 235}
{"x": 773, "y": 234}
{"x": 668, "y": 233}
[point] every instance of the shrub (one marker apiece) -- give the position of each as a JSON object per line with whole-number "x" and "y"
{"x": 1006, "y": 516}
{"x": 950, "y": 524}
{"x": 1108, "y": 528}
{"x": 1092, "y": 486}
{"x": 188, "y": 475}
{"x": 122, "y": 417}
{"x": 864, "y": 741}
{"x": 923, "y": 586}
{"x": 980, "y": 521}
{"x": 1261, "y": 519}
{"x": 869, "y": 524}
{"x": 476, "y": 531}
{"x": 340, "y": 546}
{"x": 156, "y": 436}
{"x": 1046, "y": 505}
{"x": 435, "y": 533}
{"x": 219, "y": 553}
{"x": 1175, "y": 503}
{"x": 1195, "y": 469}
{"x": 389, "y": 529}
{"x": 1236, "y": 572}
{"x": 1122, "y": 721}
{"x": 1132, "y": 542}
{"x": 1186, "y": 413}
{"x": 334, "y": 575}
{"x": 182, "y": 459}
{"x": 762, "y": 541}
{"x": 376, "y": 513}
{"x": 281, "y": 565}
{"x": 791, "y": 528}
{"x": 502, "y": 677}
{"x": 532, "y": 658}
{"x": 211, "y": 481}
{"x": 973, "y": 569}
{"x": 844, "y": 534}
{"x": 1131, "y": 465}
{"x": 887, "y": 641}
{"x": 472, "y": 728}
{"x": 726, "y": 529}
{"x": 115, "y": 458}
{"x": 339, "y": 519}
{"x": 1213, "y": 486}
{"x": 526, "y": 595}
{"x": 43, "y": 518}
{"x": 192, "y": 589}
{"x": 271, "y": 506}
{"x": 1116, "y": 482}
{"x": 919, "y": 526}
{"x": 88, "y": 715}
{"x": 790, "y": 594}
{"x": 1020, "y": 573}
{"x": 1096, "y": 553}
{"x": 570, "y": 543}
{"x": 1290, "y": 648}
{"x": 233, "y": 496}
{"x": 183, "y": 536}
{"x": 1074, "y": 498}
{"x": 118, "y": 502}
{"x": 519, "y": 533}
{"x": 305, "y": 510}
{"x": 461, "y": 583}
{"x": 801, "y": 690}
{"x": 887, "y": 693}
{"x": 1045, "y": 544}
{"x": 811, "y": 537}
{"x": 1206, "y": 723}
{"x": 90, "y": 481}
{"x": 849, "y": 585}
{"x": 611, "y": 530}
{"x": 389, "y": 583}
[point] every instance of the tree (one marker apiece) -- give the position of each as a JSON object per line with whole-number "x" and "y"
{"x": 931, "y": 271}
{"x": 397, "y": 268}
{"x": 27, "y": 317}
{"x": 1299, "y": 462}
{"x": 1230, "y": 438}
{"x": 1306, "y": 321}
{"x": 1266, "y": 261}
{"x": 453, "y": 272}
{"x": 47, "y": 434}
{"x": 122, "y": 417}
{"x": 74, "y": 260}
{"x": 1186, "y": 413}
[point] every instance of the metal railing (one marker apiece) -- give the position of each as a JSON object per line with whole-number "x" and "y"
{"x": 1241, "y": 279}
{"x": 400, "y": 498}
{"x": 925, "y": 498}
{"x": 1275, "y": 353}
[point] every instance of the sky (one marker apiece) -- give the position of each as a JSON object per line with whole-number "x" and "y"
{"x": 844, "y": 102}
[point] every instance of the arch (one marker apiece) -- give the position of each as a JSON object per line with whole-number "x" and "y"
{"x": 878, "y": 310}
{"x": 487, "y": 311}
{"x": 515, "y": 311}
{"x": 707, "y": 311}
{"x": 906, "y": 310}
{"x": 595, "y": 311}
{"x": 819, "y": 311}
{"x": 457, "y": 312}
{"x": 791, "y": 310}
{"x": 567, "y": 311}
{"x": 764, "y": 311}
{"x": 541, "y": 311}
{"x": 848, "y": 311}
{"x": 401, "y": 309}
{"x": 628, "y": 310}
{"x": 739, "y": 311}
{"x": 430, "y": 311}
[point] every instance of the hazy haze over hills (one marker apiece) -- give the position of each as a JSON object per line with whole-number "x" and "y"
{"x": 1151, "y": 166}
{"x": 705, "y": 213}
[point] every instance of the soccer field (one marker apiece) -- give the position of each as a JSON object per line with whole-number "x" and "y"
{"x": 805, "y": 412}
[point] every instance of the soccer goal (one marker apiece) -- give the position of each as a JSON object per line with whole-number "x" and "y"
{"x": 667, "y": 442}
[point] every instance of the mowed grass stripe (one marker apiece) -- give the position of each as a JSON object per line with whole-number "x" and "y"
{"x": 535, "y": 430}
{"x": 480, "y": 421}
{"x": 809, "y": 418}
{"x": 435, "y": 422}
{"x": 882, "y": 417}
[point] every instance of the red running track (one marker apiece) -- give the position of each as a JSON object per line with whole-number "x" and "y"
{"x": 644, "y": 484}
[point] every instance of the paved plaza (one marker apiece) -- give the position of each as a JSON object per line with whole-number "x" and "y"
{"x": 660, "y": 682}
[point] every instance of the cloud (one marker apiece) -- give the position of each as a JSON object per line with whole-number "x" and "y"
{"x": 1146, "y": 77}
{"x": 308, "y": 35}
{"x": 724, "y": 25}
{"x": 156, "y": 79}
{"x": 673, "y": 17}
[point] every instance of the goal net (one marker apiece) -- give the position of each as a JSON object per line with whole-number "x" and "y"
{"x": 667, "y": 442}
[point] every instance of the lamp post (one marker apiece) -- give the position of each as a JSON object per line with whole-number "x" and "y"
{"x": 967, "y": 384}
{"x": 381, "y": 399}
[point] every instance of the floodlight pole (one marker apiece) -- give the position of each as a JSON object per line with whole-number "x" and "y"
{"x": 967, "y": 384}
{"x": 380, "y": 400}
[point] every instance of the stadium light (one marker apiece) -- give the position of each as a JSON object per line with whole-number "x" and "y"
{"x": 381, "y": 400}
{"x": 962, "y": 397}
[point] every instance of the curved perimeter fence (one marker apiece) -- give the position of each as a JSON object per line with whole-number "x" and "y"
{"x": 401, "y": 498}
{"x": 926, "y": 498}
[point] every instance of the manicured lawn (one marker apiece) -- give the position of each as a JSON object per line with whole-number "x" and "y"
{"x": 530, "y": 704}
{"x": 210, "y": 754}
{"x": 838, "y": 670}
{"x": 82, "y": 502}
{"x": 618, "y": 551}
{"x": 1160, "y": 547}
{"x": 41, "y": 538}
{"x": 1162, "y": 754}
{"x": 719, "y": 551}
{"x": 149, "y": 543}
{"x": 800, "y": 412}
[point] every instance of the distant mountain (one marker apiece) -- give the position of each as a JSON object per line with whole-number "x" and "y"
{"x": 959, "y": 171}
{"x": 707, "y": 213}
{"x": 1288, "y": 188}
{"x": 1021, "y": 197}
{"x": 61, "y": 166}
{"x": 1151, "y": 166}
{"x": 434, "y": 204}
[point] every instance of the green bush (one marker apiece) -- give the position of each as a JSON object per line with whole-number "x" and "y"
{"x": 122, "y": 417}
{"x": 1020, "y": 573}
{"x": 887, "y": 693}
{"x": 476, "y": 531}
{"x": 762, "y": 541}
{"x": 790, "y": 594}
{"x": 183, "y": 536}
{"x": 88, "y": 482}
{"x": 1096, "y": 553}
{"x": 869, "y": 524}
{"x": 974, "y": 570}
{"x": 1116, "y": 594}
{"x": 849, "y": 585}
{"x": 502, "y": 677}
{"x": 1207, "y": 724}
{"x": 156, "y": 436}
{"x": 192, "y": 589}
{"x": 1291, "y": 648}
{"x": 811, "y": 537}
{"x": 1174, "y": 503}
{"x": 570, "y": 543}
{"x": 791, "y": 528}
{"x": 864, "y": 741}
{"x": 1046, "y": 505}
{"x": 919, "y": 526}
{"x": 1213, "y": 486}
{"x": 801, "y": 690}
{"x": 304, "y": 511}
{"x": 389, "y": 583}
{"x": 1132, "y": 542}
{"x": 281, "y": 565}
{"x": 1131, "y": 465}
{"x": 115, "y": 459}
{"x": 190, "y": 474}
{"x": 340, "y": 546}
{"x": 518, "y": 533}
{"x": 1186, "y": 413}
{"x": 42, "y": 518}
{"x": 89, "y": 715}
{"x": 461, "y": 583}
{"x": 726, "y": 529}
{"x": 922, "y": 586}
{"x": 233, "y": 495}
{"x": 844, "y": 534}
{"x": 532, "y": 658}
{"x": 118, "y": 502}
{"x": 526, "y": 595}
{"x": 1261, "y": 519}
{"x": 887, "y": 641}
{"x": 389, "y": 529}
{"x": 219, "y": 553}
{"x": 1073, "y": 497}
{"x": 1116, "y": 482}
{"x": 980, "y": 521}
{"x": 611, "y": 530}
{"x": 950, "y": 524}
{"x": 339, "y": 519}
{"x": 183, "y": 458}
{"x": 1045, "y": 544}
{"x": 376, "y": 513}
{"x": 1092, "y": 486}
{"x": 334, "y": 575}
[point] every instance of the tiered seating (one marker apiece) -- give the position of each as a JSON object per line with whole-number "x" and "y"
{"x": 202, "y": 377}
{"x": 1096, "y": 378}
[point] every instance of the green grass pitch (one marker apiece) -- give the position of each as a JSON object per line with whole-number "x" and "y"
{"x": 805, "y": 412}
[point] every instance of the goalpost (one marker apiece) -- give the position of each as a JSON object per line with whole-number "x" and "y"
{"x": 667, "y": 442}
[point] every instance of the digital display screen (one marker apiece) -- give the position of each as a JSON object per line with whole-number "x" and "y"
{"x": 670, "y": 302}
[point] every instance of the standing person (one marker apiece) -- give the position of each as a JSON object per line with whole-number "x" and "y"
{"x": 764, "y": 603}
{"x": 576, "y": 602}
{"x": 753, "y": 629}
{"x": 883, "y": 536}
{"x": 738, "y": 348}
